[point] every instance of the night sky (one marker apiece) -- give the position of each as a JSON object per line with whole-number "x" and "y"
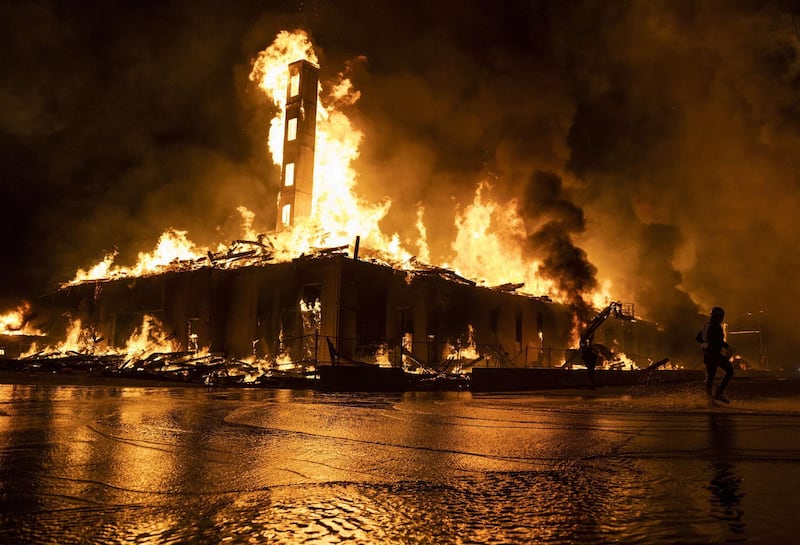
{"x": 655, "y": 144}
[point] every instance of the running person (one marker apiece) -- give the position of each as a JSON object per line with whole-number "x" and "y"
{"x": 714, "y": 344}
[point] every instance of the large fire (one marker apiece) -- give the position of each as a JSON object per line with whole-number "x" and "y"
{"x": 487, "y": 244}
{"x": 486, "y": 248}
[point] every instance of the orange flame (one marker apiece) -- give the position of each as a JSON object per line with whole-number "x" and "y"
{"x": 488, "y": 245}
{"x": 15, "y": 322}
{"x": 338, "y": 214}
{"x": 148, "y": 339}
{"x": 269, "y": 70}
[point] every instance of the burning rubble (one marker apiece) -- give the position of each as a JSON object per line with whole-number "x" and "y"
{"x": 327, "y": 285}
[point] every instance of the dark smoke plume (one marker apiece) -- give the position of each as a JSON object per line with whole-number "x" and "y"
{"x": 553, "y": 220}
{"x": 674, "y": 128}
{"x": 659, "y": 286}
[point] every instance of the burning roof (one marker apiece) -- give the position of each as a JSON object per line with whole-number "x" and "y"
{"x": 522, "y": 245}
{"x": 490, "y": 247}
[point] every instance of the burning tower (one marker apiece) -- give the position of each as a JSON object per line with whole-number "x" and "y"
{"x": 297, "y": 172}
{"x": 322, "y": 306}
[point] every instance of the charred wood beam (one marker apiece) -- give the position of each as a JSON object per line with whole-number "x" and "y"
{"x": 508, "y": 287}
{"x": 657, "y": 364}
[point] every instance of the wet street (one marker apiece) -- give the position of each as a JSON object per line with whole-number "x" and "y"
{"x": 156, "y": 465}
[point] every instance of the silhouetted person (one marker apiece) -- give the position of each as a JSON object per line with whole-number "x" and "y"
{"x": 713, "y": 345}
{"x": 589, "y": 357}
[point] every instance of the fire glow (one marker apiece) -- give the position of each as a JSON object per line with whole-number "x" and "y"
{"x": 15, "y": 322}
{"x": 146, "y": 340}
{"x": 487, "y": 245}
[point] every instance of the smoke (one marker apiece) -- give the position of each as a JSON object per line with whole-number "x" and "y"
{"x": 687, "y": 140}
{"x": 551, "y": 221}
{"x": 122, "y": 121}
{"x": 659, "y": 284}
{"x": 654, "y": 145}
{"x": 675, "y": 128}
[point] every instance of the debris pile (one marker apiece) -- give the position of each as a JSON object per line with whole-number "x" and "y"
{"x": 181, "y": 367}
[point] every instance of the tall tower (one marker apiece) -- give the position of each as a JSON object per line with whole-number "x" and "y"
{"x": 297, "y": 172}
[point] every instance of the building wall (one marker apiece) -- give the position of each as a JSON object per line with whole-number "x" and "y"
{"x": 363, "y": 306}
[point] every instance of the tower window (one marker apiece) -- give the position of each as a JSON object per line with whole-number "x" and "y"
{"x": 288, "y": 175}
{"x": 286, "y": 215}
{"x": 294, "y": 85}
{"x": 291, "y": 129}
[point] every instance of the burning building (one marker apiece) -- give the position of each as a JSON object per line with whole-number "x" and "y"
{"x": 297, "y": 172}
{"x": 332, "y": 307}
{"x": 268, "y": 299}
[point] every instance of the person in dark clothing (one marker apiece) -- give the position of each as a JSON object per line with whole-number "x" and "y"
{"x": 715, "y": 354}
{"x": 589, "y": 357}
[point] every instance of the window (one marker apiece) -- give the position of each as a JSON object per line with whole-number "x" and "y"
{"x": 294, "y": 85}
{"x": 286, "y": 215}
{"x": 288, "y": 175}
{"x": 291, "y": 129}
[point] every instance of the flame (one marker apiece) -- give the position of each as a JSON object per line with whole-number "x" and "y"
{"x": 150, "y": 338}
{"x": 462, "y": 352}
{"x": 173, "y": 246}
{"x": 174, "y": 249}
{"x": 15, "y": 322}
{"x": 382, "y": 356}
{"x": 601, "y": 297}
{"x": 147, "y": 339}
{"x": 424, "y": 252}
{"x": 283, "y": 359}
{"x": 488, "y": 246}
{"x": 469, "y": 351}
{"x": 622, "y": 361}
{"x": 248, "y": 219}
{"x": 338, "y": 214}
{"x": 269, "y": 71}
{"x": 575, "y": 331}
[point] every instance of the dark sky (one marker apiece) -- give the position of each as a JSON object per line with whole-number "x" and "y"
{"x": 652, "y": 143}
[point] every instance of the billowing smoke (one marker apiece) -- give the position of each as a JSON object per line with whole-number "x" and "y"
{"x": 552, "y": 220}
{"x": 659, "y": 286}
{"x": 120, "y": 121}
{"x": 673, "y": 128}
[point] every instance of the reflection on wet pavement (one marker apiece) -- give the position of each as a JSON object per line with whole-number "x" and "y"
{"x": 187, "y": 465}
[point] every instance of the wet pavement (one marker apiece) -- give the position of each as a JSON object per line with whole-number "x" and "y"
{"x": 116, "y": 464}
